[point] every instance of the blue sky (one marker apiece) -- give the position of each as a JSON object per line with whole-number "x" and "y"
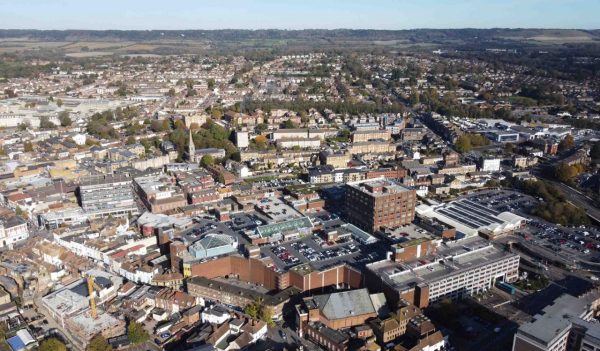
{"x": 297, "y": 14}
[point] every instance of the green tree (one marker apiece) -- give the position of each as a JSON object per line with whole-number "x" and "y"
{"x": 52, "y": 344}
{"x": 122, "y": 91}
{"x": 251, "y": 310}
{"x": 130, "y": 140}
{"x": 207, "y": 160}
{"x": 261, "y": 127}
{"x": 289, "y": 124}
{"x": 45, "y": 123}
{"x": 136, "y": 333}
{"x": 414, "y": 98}
{"x": 59, "y": 102}
{"x": 211, "y": 83}
{"x": 65, "y": 119}
{"x": 24, "y": 125}
{"x": 99, "y": 343}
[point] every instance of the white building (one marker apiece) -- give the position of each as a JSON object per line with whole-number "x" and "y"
{"x": 215, "y": 315}
{"x": 489, "y": 165}
{"x": 13, "y": 230}
{"x": 241, "y": 139}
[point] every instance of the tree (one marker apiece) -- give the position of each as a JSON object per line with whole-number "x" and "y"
{"x": 45, "y": 123}
{"x": 171, "y": 92}
{"x": 567, "y": 143}
{"x": 24, "y": 125}
{"x": 211, "y": 83}
{"x": 564, "y": 172}
{"x": 59, "y": 102}
{"x": 64, "y": 119}
{"x": 159, "y": 126}
{"x": 260, "y": 139}
{"x": 122, "y": 91}
{"x": 207, "y": 160}
{"x": 28, "y": 146}
{"x": 136, "y": 333}
{"x": 216, "y": 114}
{"x": 130, "y": 140}
{"x": 99, "y": 343}
{"x": 289, "y": 124}
{"x": 261, "y": 127}
{"x": 258, "y": 310}
{"x": 52, "y": 344}
{"x": 251, "y": 310}
{"x": 463, "y": 144}
{"x": 414, "y": 98}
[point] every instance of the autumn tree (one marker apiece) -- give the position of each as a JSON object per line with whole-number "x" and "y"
{"x": 28, "y": 146}
{"x": 99, "y": 343}
{"x": 567, "y": 143}
{"x": 52, "y": 344}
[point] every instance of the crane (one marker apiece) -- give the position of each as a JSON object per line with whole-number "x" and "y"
{"x": 91, "y": 283}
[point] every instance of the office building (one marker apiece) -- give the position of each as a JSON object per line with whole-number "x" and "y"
{"x": 110, "y": 195}
{"x": 567, "y": 324}
{"x": 450, "y": 270}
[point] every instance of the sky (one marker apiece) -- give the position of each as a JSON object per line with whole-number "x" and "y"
{"x": 297, "y": 14}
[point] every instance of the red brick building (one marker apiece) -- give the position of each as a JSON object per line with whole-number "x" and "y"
{"x": 371, "y": 205}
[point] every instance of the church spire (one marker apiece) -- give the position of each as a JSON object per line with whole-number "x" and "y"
{"x": 191, "y": 148}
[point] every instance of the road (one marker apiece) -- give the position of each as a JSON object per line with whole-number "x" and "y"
{"x": 574, "y": 196}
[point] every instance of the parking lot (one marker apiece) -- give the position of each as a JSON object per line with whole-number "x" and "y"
{"x": 319, "y": 251}
{"x": 570, "y": 244}
{"x": 504, "y": 201}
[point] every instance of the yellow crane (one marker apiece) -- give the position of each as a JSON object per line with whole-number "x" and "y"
{"x": 91, "y": 283}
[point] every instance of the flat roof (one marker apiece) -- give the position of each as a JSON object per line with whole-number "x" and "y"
{"x": 555, "y": 319}
{"x": 447, "y": 259}
{"x": 287, "y": 226}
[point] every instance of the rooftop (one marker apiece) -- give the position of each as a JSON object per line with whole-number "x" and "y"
{"x": 445, "y": 260}
{"x": 345, "y": 304}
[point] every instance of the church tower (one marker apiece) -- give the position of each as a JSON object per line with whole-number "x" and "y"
{"x": 191, "y": 149}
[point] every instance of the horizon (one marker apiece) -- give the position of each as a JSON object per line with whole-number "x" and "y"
{"x": 310, "y": 14}
{"x": 297, "y": 29}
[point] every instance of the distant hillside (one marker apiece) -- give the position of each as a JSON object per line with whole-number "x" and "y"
{"x": 89, "y": 43}
{"x": 418, "y": 35}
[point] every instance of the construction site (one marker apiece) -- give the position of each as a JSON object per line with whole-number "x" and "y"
{"x": 80, "y": 307}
